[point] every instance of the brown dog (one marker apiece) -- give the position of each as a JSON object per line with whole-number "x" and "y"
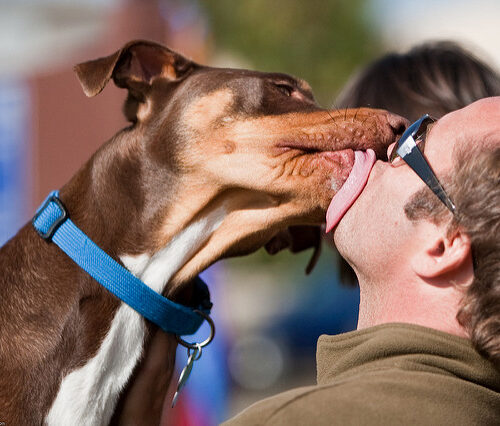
{"x": 215, "y": 163}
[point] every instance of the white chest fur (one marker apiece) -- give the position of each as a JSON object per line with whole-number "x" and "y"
{"x": 87, "y": 396}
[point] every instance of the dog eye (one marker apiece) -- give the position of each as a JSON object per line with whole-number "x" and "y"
{"x": 284, "y": 88}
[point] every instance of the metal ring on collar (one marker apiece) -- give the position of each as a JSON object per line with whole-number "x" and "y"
{"x": 195, "y": 345}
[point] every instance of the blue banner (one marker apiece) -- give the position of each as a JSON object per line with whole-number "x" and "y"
{"x": 14, "y": 156}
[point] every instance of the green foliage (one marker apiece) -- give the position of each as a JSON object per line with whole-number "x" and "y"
{"x": 322, "y": 41}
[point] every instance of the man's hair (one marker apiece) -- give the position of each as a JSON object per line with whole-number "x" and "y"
{"x": 433, "y": 78}
{"x": 474, "y": 187}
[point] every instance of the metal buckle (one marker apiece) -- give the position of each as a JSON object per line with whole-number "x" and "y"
{"x": 47, "y": 236}
{"x": 197, "y": 346}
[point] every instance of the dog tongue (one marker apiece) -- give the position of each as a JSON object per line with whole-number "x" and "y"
{"x": 356, "y": 181}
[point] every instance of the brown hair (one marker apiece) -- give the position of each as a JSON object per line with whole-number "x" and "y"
{"x": 474, "y": 187}
{"x": 433, "y": 78}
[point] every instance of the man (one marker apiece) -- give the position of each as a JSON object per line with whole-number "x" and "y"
{"x": 428, "y": 265}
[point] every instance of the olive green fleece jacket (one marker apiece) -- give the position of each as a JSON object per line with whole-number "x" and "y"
{"x": 392, "y": 374}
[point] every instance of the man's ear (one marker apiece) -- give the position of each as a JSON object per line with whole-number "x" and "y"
{"x": 442, "y": 254}
{"x": 134, "y": 67}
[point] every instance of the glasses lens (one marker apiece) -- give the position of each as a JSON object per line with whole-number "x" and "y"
{"x": 418, "y": 131}
{"x": 394, "y": 153}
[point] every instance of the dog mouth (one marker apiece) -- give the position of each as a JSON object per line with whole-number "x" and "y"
{"x": 337, "y": 163}
{"x": 352, "y": 187}
{"x": 346, "y": 170}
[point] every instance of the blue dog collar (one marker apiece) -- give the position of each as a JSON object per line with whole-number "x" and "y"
{"x": 52, "y": 223}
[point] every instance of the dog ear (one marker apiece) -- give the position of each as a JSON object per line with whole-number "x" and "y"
{"x": 134, "y": 67}
{"x": 296, "y": 239}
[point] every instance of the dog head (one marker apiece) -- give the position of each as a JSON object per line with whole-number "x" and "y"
{"x": 253, "y": 144}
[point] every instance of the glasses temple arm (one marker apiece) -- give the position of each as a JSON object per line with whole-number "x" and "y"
{"x": 421, "y": 167}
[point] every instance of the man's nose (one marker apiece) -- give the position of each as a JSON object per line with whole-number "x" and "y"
{"x": 389, "y": 150}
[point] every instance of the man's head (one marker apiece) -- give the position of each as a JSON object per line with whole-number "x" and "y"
{"x": 413, "y": 257}
{"x": 434, "y": 78}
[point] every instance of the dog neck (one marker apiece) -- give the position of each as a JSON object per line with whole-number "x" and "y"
{"x": 157, "y": 269}
{"x": 88, "y": 394}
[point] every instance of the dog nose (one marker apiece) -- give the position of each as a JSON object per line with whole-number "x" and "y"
{"x": 398, "y": 124}
{"x": 392, "y": 127}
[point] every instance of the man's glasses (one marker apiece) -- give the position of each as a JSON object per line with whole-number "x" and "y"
{"x": 410, "y": 148}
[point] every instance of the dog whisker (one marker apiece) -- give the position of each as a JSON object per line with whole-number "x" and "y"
{"x": 331, "y": 116}
{"x": 355, "y": 115}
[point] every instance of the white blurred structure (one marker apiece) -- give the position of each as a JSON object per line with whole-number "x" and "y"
{"x": 475, "y": 25}
{"x": 35, "y": 34}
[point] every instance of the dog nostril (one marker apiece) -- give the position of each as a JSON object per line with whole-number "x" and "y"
{"x": 398, "y": 124}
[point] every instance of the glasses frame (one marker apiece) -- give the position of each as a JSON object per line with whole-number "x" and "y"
{"x": 407, "y": 148}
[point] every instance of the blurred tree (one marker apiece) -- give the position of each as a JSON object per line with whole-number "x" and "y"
{"x": 322, "y": 41}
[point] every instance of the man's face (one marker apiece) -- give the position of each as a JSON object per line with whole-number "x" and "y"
{"x": 375, "y": 235}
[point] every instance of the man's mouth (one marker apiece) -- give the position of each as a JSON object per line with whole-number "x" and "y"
{"x": 352, "y": 187}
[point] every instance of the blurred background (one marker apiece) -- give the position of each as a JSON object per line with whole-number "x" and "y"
{"x": 268, "y": 313}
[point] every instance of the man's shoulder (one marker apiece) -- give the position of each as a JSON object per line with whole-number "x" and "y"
{"x": 280, "y": 409}
{"x": 342, "y": 402}
{"x": 384, "y": 397}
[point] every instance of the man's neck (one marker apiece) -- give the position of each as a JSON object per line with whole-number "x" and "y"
{"x": 410, "y": 302}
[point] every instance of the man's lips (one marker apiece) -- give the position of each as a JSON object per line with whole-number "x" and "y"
{"x": 351, "y": 188}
